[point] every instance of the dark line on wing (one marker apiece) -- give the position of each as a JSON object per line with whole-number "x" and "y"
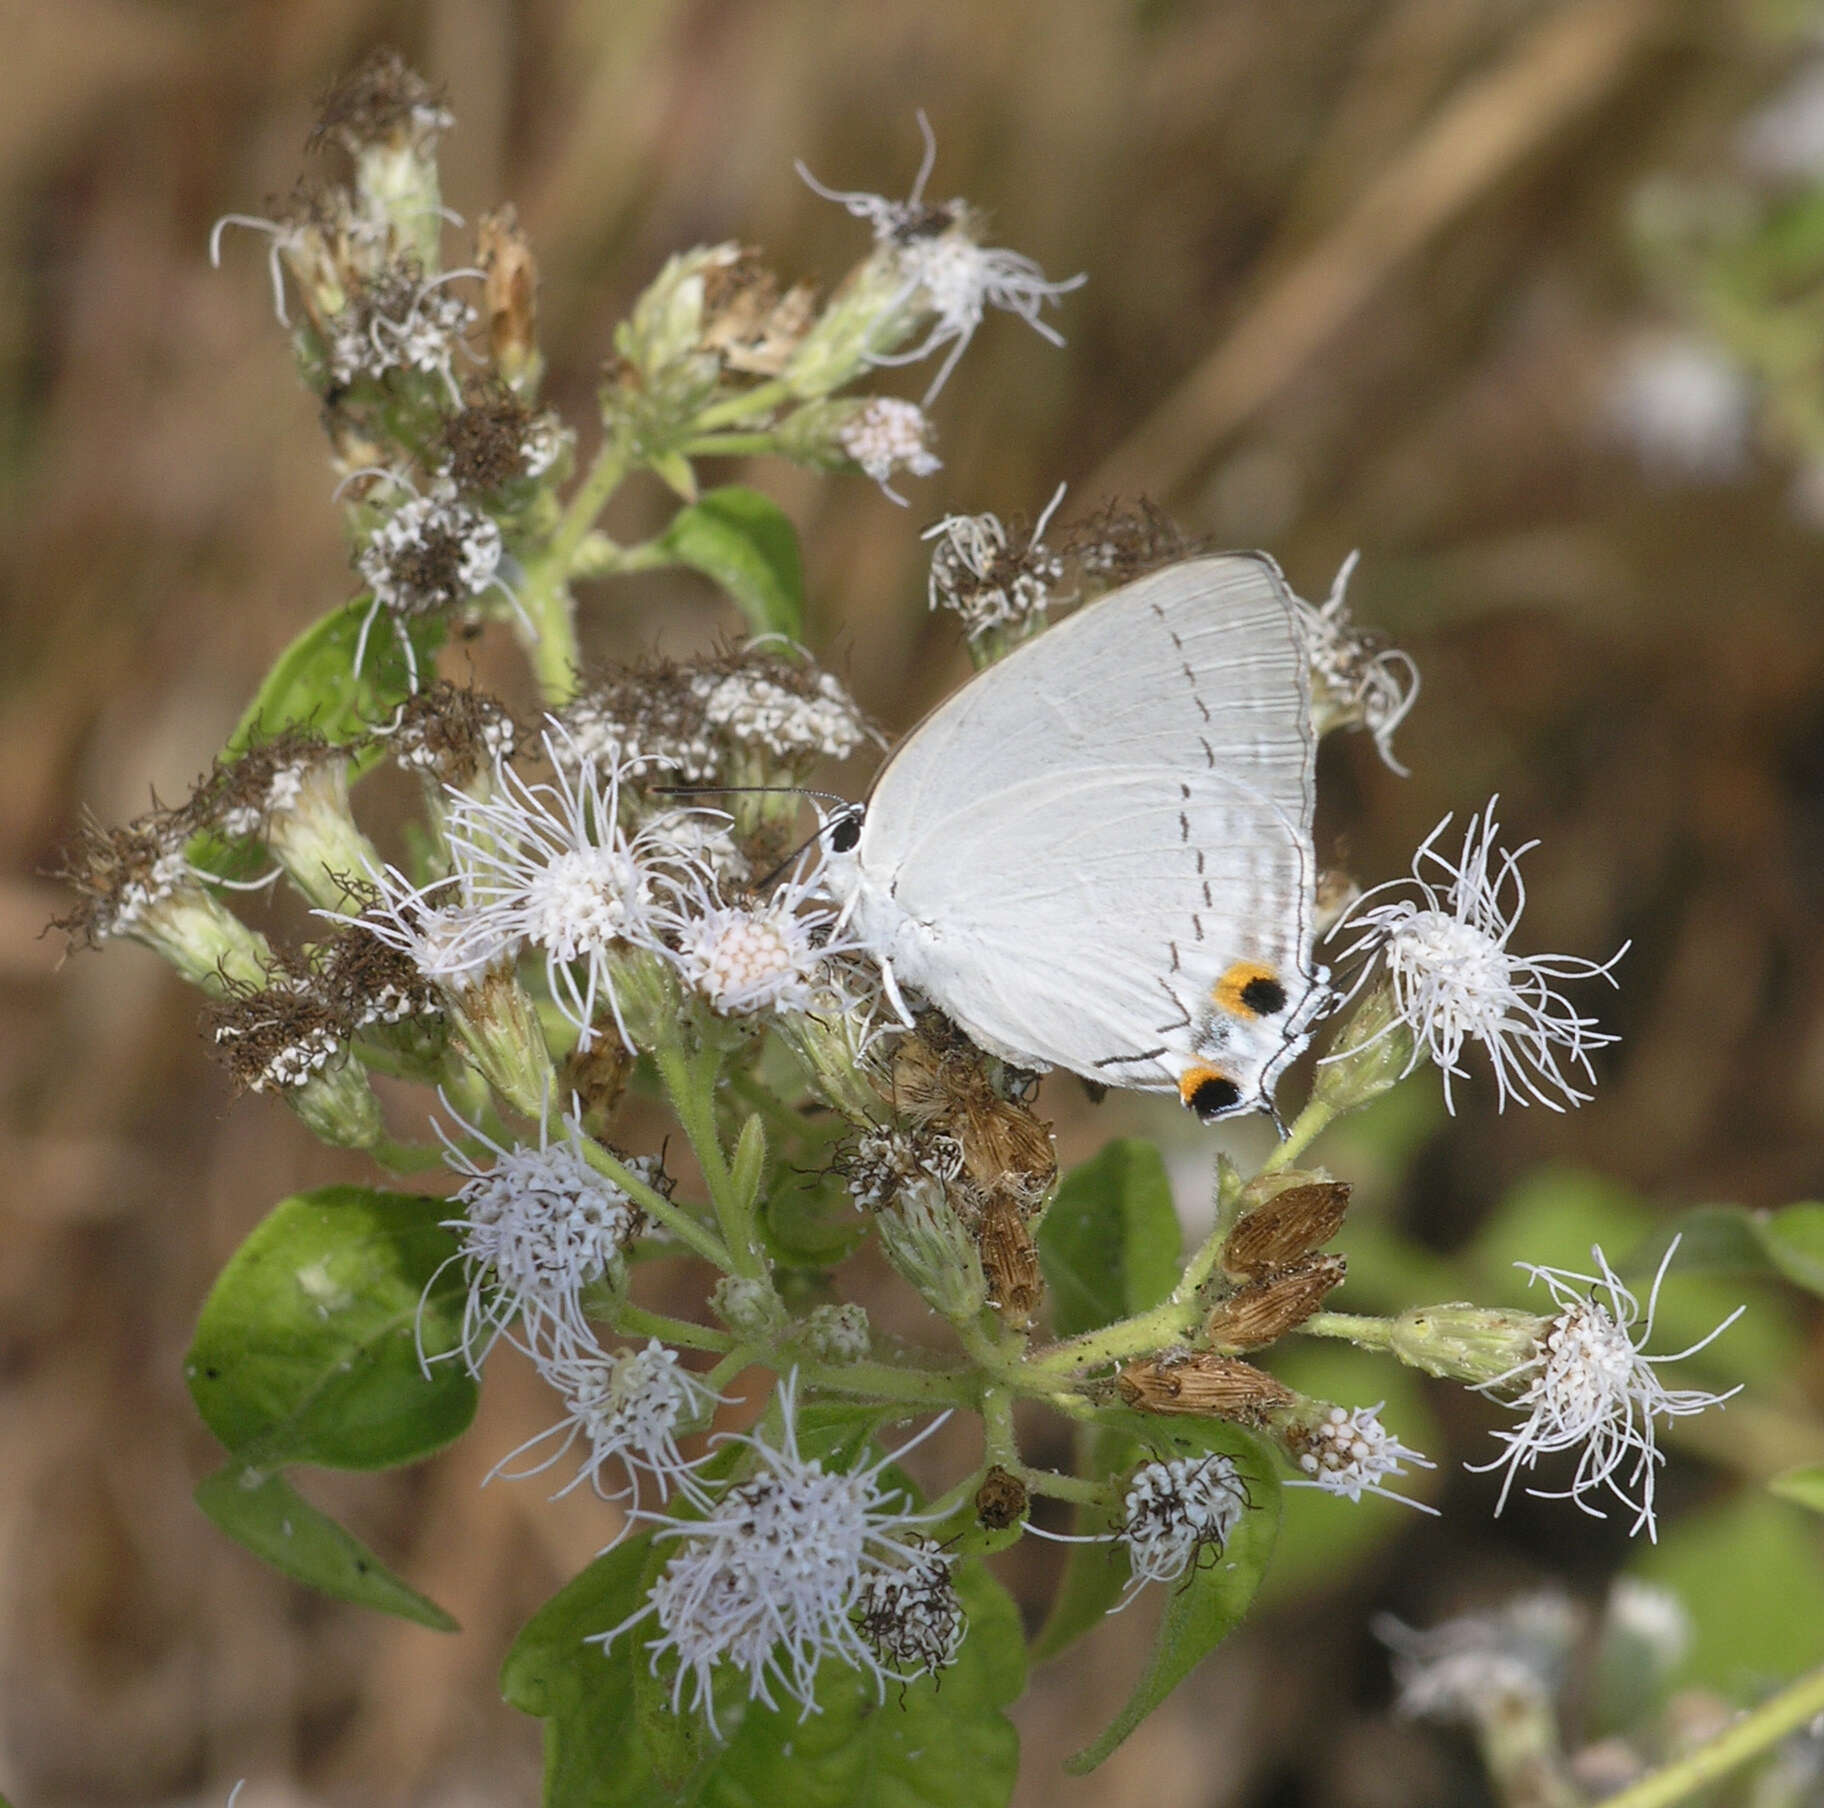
{"x": 1152, "y": 1054}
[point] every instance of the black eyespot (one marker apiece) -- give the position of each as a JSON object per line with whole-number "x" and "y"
{"x": 845, "y": 833}
{"x": 1212, "y": 1097}
{"x": 1264, "y": 997}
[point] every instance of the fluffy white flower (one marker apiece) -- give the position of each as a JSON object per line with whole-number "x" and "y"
{"x": 1589, "y": 1388}
{"x": 1352, "y": 1454}
{"x": 626, "y": 1407}
{"x": 944, "y": 270}
{"x": 771, "y": 1579}
{"x": 978, "y": 572}
{"x": 1174, "y": 1511}
{"x": 747, "y": 958}
{"x": 1355, "y": 676}
{"x": 888, "y": 435}
{"x": 551, "y": 864}
{"x": 539, "y": 1228}
{"x": 1454, "y": 979}
{"x": 446, "y": 939}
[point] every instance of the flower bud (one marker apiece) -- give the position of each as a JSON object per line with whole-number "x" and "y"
{"x": 750, "y": 1308}
{"x": 838, "y": 1333}
{"x": 1372, "y": 1053}
{"x": 931, "y": 1247}
{"x": 338, "y": 1106}
{"x": 1461, "y": 1342}
{"x": 498, "y": 1025}
{"x": 874, "y": 311}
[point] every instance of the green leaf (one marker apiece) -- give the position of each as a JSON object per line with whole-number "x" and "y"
{"x": 1721, "y": 1238}
{"x": 1794, "y": 1240}
{"x": 275, "y": 1522}
{"x": 1110, "y": 1245}
{"x": 1094, "y": 1574}
{"x": 748, "y": 1166}
{"x": 749, "y": 546}
{"x": 307, "y": 1350}
{"x": 312, "y": 683}
{"x": 1750, "y": 1572}
{"x": 1803, "y": 1486}
{"x": 1204, "y": 1608}
{"x": 593, "y": 1756}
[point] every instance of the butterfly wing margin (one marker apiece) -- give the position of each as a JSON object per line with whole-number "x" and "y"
{"x": 1197, "y": 664}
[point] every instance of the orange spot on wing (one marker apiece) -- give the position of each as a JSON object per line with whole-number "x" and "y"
{"x": 1231, "y": 991}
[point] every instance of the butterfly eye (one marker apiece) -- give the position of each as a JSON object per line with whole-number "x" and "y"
{"x": 845, "y": 833}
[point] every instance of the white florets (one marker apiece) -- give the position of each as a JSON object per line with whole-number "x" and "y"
{"x": 626, "y": 1407}
{"x": 884, "y": 1161}
{"x": 365, "y": 340}
{"x": 1353, "y": 1453}
{"x": 888, "y": 435}
{"x": 430, "y": 553}
{"x": 981, "y": 576}
{"x": 1173, "y": 1511}
{"x": 550, "y": 864}
{"x": 540, "y": 1227}
{"x": 752, "y": 709}
{"x": 1354, "y": 678}
{"x": 748, "y": 958}
{"x": 769, "y": 1580}
{"x": 451, "y": 944}
{"x": 1454, "y": 980}
{"x": 911, "y": 1617}
{"x": 1589, "y": 1388}
{"x": 150, "y": 885}
{"x": 944, "y": 271}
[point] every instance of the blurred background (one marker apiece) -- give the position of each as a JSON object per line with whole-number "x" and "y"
{"x": 1523, "y": 300}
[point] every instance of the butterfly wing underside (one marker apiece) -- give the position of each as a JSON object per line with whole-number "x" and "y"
{"x": 1096, "y": 836}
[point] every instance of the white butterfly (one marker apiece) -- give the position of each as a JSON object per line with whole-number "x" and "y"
{"x": 1097, "y": 854}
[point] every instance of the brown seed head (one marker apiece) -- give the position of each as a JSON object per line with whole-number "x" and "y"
{"x": 1281, "y": 1229}
{"x": 1206, "y": 1386}
{"x": 1263, "y": 1311}
{"x": 1001, "y": 1499}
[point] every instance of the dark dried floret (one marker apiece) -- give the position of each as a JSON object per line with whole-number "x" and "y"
{"x": 277, "y": 1035}
{"x": 237, "y": 796}
{"x": 452, "y": 732}
{"x": 485, "y": 444}
{"x": 383, "y": 97}
{"x": 120, "y": 873}
{"x": 364, "y": 981}
{"x": 1119, "y": 544}
{"x": 747, "y": 321}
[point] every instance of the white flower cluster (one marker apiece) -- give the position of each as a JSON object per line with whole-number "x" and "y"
{"x": 943, "y": 270}
{"x": 985, "y": 579}
{"x": 754, "y": 710}
{"x": 888, "y": 435}
{"x": 1354, "y": 677}
{"x": 1477, "y": 1667}
{"x": 1590, "y": 1388}
{"x": 1454, "y": 980}
{"x": 788, "y": 1568}
{"x": 1174, "y": 1511}
{"x": 539, "y": 1228}
{"x": 394, "y": 327}
{"x": 1352, "y": 1454}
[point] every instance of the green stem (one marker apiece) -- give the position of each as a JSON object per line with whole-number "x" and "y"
{"x": 1077, "y": 1488}
{"x": 600, "y": 557}
{"x": 1306, "y": 1128}
{"x": 1000, "y": 1445}
{"x": 729, "y": 445}
{"x": 1755, "y": 1732}
{"x": 761, "y": 399}
{"x": 690, "y": 1085}
{"x": 1355, "y": 1327}
{"x": 1136, "y": 1336}
{"x": 890, "y": 1386}
{"x": 637, "y": 1321}
{"x": 655, "y": 1205}
{"x": 406, "y": 1158}
{"x": 544, "y": 594}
